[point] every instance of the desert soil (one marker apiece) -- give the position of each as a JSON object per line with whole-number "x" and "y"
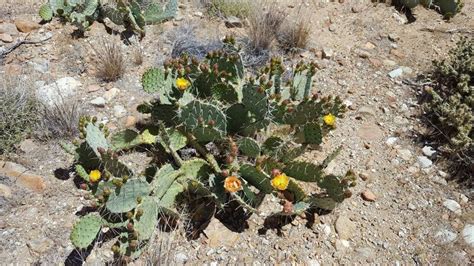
{"x": 416, "y": 216}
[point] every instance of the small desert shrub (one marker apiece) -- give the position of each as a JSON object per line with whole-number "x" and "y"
{"x": 294, "y": 34}
{"x": 264, "y": 24}
{"x": 450, "y": 107}
{"x": 137, "y": 55}
{"x": 226, "y": 8}
{"x": 18, "y": 112}
{"x": 59, "y": 121}
{"x": 110, "y": 63}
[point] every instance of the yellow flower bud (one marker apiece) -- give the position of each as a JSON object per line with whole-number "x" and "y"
{"x": 232, "y": 184}
{"x": 280, "y": 181}
{"x": 329, "y": 120}
{"x": 182, "y": 84}
{"x": 94, "y": 176}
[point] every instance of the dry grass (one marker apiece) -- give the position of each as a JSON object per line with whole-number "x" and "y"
{"x": 294, "y": 34}
{"x": 110, "y": 62}
{"x": 18, "y": 111}
{"x": 137, "y": 55}
{"x": 59, "y": 121}
{"x": 226, "y": 8}
{"x": 264, "y": 24}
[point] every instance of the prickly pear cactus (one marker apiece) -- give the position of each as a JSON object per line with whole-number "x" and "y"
{"x": 448, "y": 8}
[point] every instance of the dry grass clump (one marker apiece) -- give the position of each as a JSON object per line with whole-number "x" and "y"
{"x": 59, "y": 121}
{"x": 294, "y": 34}
{"x": 264, "y": 24}
{"x": 110, "y": 62}
{"x": 18, "y": 111}
{"x": 227, "y": 8}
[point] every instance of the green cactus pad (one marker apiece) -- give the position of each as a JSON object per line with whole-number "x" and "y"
{"x": 196, "y": 168}
{"x": 124, "y": 248}
{"x": 164, "y": 178}
{"x": 155, "y": 80}
{"x": 225, "y": 93}
{"x": 325, "y": 203}
{"x": 85, "y": 231}
{"x": 125, "y": 199}
{"x": 304, "y": 171}
{"x": 125, "y": 139}
{"x": 254, "y": 101}
{"x": 448, "y": 8}
{"x": 114, "y": 166}
{"x": 302, "y": 81}
{"x": 172, "y": 139}
{"x": 296, "y": 190}
{"x": 256, "y": 178}
{"x": 249, "y": 147}
{"x": 69, "y": 148}
{"x": 95, "y": 138}
{"x": 237, "y": 117}
{"x": 169, "y": 198}
{"x": 410, "y": 3}
{"x": 46, "y": 13}
{"x": 155, "y": 14}
{"x": 81, "y": 172}
{"x": 196, "y": 110}
{"x": 312, "y": 134}
{"x": 145, "y": 225}
{"x": 334, "y": 188}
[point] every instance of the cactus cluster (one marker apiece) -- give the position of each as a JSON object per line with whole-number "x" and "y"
{"x": 247, "y": 133}
{"x": 451, "y": 102}
{"x": 134, "y": 15}
{"x": 448, "y": 8}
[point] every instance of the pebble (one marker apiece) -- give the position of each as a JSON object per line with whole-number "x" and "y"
{"x": 364, "y": 176}
{"x": 26, "y": 26}
{"x": 110, "y": 94}
{"x": 342, "y": 244}
{"x": 130, "y": 121}
{"x": 93, "y": 88}
{"x": 395, "y": 73}
{"x": 119, "y": 111}
{"x": 98, "y": 102}
{"x": 181, "y": 258}
{"x": 445, "y": 236}
{"x": 468, "y": 234}
{"x": 453, "y": 206}
{"x": 22, "y": 177}
{"x": 5, "y": 191}
{"x": 391, "y": 141}
{"x": 198, "y": 14}
{"x": 344, "y": 227}
{"x": 6, "y": 38}
{"x": 56, "y": 92}
{"x": 233, "y": 22}
{"x": 8, "y": 28}
{"x": 405, "y": 154}
{"x": 428, "y": 151}
{"x": 424, "y": 161}
{"x": 368, "y": 195}
{"x": 327, "y": 53}
{"x": 411, "y": 206}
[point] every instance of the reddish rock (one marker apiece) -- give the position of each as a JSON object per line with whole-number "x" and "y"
{"x": 368, "y": 195}
{"x": 26, "y": 26}
{"x": 6, "y": 38}
{"x": 21, "y": 176}
{"x": 397, "y": 53}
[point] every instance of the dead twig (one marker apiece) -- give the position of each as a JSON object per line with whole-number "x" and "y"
{"x": 448, "y": 31}
{"x": 5, "y": 51}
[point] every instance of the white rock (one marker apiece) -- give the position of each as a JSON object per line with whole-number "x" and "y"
{"x": 345, "y": 227}
{"x": 405, "y": 154}
{"x": 327, "y": 53}
{"x": 424, "y": 161}
{"x": 445, "y": 236}
{"x": 428, "y": 151}
{"x": 98, "y": 102}
{"x": 56, "y": 92}
{"x": 181, "y": 258}
{"x": 110, "y": 94}
{"x": 396, "y": 73}
{"x": 119, "y": 111}
{"x": 464, "y": 198}
{"x": 468, "y": 234}
{"x": 325, "y": 229}
{"x": 391, "y": 141}
{"x": 342, "y": 244}
{"x": 453, "y": 206}
{"x": 312, "y": 262}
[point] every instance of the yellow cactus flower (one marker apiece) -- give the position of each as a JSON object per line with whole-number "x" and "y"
{"x": 329, "y": 120}
{"x": 94, "y": 176}
{"x": 232, "y": 184}
{"x": 182, "y": 84}
{"x": 281, "y": 181}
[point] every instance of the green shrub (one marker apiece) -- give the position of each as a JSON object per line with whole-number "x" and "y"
{"x": 226, "y": 8}
{"x": 451, "y": 104}
{"x": 247, "y": 133}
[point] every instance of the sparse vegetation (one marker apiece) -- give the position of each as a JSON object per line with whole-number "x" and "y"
{"x": 450, "y": 107}
{"x": 18, "y": 111}
{"x": 294, "y": 34}
{"x": 226, "y": 8}
{"x": 110, "y": 62}
{"x": 59, "y": 121}
{"x": 264, "y": 24}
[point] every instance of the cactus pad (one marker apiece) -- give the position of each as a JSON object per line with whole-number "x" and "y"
{"x": 125, "y": 199}
{"x": 249, "y": 147}
{"x": 256, "y": 178}
{"x": 45, "y": 12}
{"x": 197, "y": 116}
{"x": 85, "y": 231}
{"x": 145, "y": 224}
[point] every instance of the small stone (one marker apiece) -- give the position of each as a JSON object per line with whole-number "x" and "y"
{"x": 312, "y": 262}
{"x": 345, "y": 227}
{"x": 5, "y": 191}
{"x": 356, "y": 9}
{"x": 198, "y": 14}
{"x": 395, "y": 73}
{"x": 453, "y": 206}
{"x": 93, "y": 88}
{"x": 368, "y": 195}
{"x": 130, "y": 121}
{"x": 424, "y": 162}
{"x": 389, "y": 62}
{"x": 26, "y": 26}
{"x": 219, "y": 235}
{"x": 181, "y": 258}
{"x": 397, "y": 53}
{"x": 411, "y": 206}
{"x": 6, "y": 38}
{"x": 54, "y": 93}
{"x": 119, "y": 111}
{"x": 98, "y": 102}
{"x": 110, "y": 94}
{"x": 367, "y": 112}
{"x": 22, "y": 177}
{"x": 375, "y": 62}
{"x": 327, "y": 53}
{"x": 364, "y": 176}
{"x": 428, "y": 151}
{"x": 233, "y": 22}
{"x": 40, "y": 245}
{"x": 464, "y": 199}
{"x": 391, "y": 141}
{"x": 405, "y": 154}
{"x": 342, "y": 244}
{"x": 40, "y": 64}
{"x": 468, "y": 234}
{"x": 362, "y": 53}
{"x": 393, "y": 37}
{"x": 369, "y": 46}
{"x": 445, "y": 236}
{"x": 28, "y": 146}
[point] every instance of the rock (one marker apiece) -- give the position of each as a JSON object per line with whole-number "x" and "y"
{"x": 344, "y": 227}
{"x": 198, "y": 14}
{"x": 40, "y": 245}
{"x": 219, "y": 235}
{"x": 367, "y": 112}
{"x": 325, "y": 229}
{"x": 364, "y": 176}
{"x": 404, "y": 154}
{"x": 21, "y": 176}
{"x": 356, "y": 9}
{"x": 395, "y": 73}
{"x": 389, "y": 62}
{"x": 424, "y": 161}
{"x": 110, "y": 94}
{"x": 362, "y": 53}
{"x": 366, "y": 253}
{"x": 397, "y": 53}
{"x": 468, "y": 234}
{"x": 233, "y": 22}
{"x": 130, "y": 121}
{"x": 369, "y": 46}
{"x": 5, "y": 191}
{"x": 312, "y": 262}
{"x": 93, "y": 88}
{"x": 6, "y": 38}
{"x": 98, "y": 102}
{"x": 8, "y": 28}
{"x": 407, "y": 70}
{"x": 370, "y": 132}
{"x": 453, "y": 206}
{"x": 393, "y": 37}
{"x": 28, "y": 146}
{"x": 40, "y": 64}
{"x": 368, "y": 195}
{"x": 54, "y": 93}
{"x": 391, "y": 141}
{"x": 428, "y": 151}
{"x": 341, "y": 244}
{"x": 119, "y": 111}
{"x": 327, "y": 53}
{"x": 181, "y": 258}
{"x": 445, "y": 236}
{"x": 26, "y": 26}
{"x": 410, "y": 206}
{"x": 375, "y": 62}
